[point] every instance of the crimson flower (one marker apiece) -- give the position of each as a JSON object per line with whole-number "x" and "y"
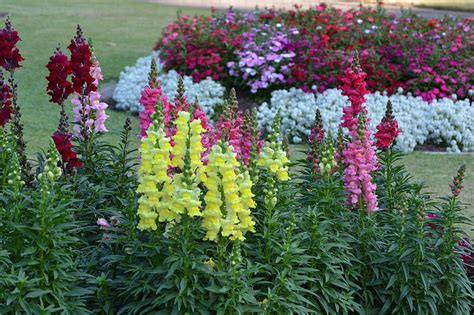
{"x": 10, "y": 56}
{"x": 5, "y": 103}
{"x": 355, "y": 88}
{"x": 387, "y": 130}
{"x": 64, "y": 146}
{"x": 59, "y": 87}
{"x": 81, "y": 63}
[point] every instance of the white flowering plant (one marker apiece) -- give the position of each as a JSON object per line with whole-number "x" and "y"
{"x": 447, "y": 122}
{"x": 132, "y": 80}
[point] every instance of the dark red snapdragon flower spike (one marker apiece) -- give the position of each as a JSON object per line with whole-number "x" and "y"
{"x": 62, "y": 140}
{"x": 81, "y": 63}
{"x": 355, "y": 88}
{"x": 64, "y": 146}
{"x": 387, "y": 130}
{"x": 10, "y": 56}
{"x": 5, "y": 102}
{"x": 59, "y": 88}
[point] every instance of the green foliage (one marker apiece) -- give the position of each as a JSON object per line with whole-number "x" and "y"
{"x": 310, "y": 253}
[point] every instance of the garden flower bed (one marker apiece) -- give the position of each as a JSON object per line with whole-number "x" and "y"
{"x": 309, "y": 49}
{"x": 292, "y": 62}
{"x": 209, "y": 219}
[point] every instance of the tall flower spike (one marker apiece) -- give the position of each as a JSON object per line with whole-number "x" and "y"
{"x": 10, "y": 56}
{"x": 154, "y": 182}
{"x": 5, "y": 102}
{"x": 51, "y": 171}
{"x": 354, "y": 87}
{"x": 315, "y": 140}
{"x": 328, "y": 162}
{"x": 180, "y": 101}
{"x": 81, "y": 64}
{"x": 361, "y": 160}
{"x": 59, "y": 88}
{"x": 317, "y": 129}
{"x": 387, "y": 130}
{"x": 187, "y": 152}
{"x": 341, "y": 144}
{"x": 273, "y": 157}
{"x": 228, "y": 198}
{"x": 151, "y": 96}
{"x": 14, "y": 178}
{"x": 457, "y": 184}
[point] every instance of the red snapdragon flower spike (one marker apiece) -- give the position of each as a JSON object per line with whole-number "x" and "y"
{"x": 64, "y": 146}
{"x": 59, "y": 88}
{"x": 355, "y": 88}
{"x": 387, "y": 130}
{"x": 10, "y": 56}
{"x": 81, "y": 63}
{"x": 5, "y": 103}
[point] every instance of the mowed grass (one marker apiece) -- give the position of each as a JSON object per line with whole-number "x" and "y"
{"x": 124, "y": 30}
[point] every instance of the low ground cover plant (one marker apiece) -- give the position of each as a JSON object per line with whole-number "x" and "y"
{"x": 215, "y": 217}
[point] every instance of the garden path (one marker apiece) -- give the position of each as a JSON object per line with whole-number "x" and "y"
{"x": 340, "y": 4}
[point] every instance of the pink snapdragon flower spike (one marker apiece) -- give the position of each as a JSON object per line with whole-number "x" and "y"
{"x": 361, "y": 161}
{"x": 232, "y": 128}
{"x": 149, "y": 97}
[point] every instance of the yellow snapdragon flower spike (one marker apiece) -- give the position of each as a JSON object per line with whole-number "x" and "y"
{"x": 228, "y": 198}
{"x": 274, "y": 158}
{"x": 154, "y": 183}
{"x": 187, "y": 152}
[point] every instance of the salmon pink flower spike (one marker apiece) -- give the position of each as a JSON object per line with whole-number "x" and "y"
{"x": 361, "y": 160}
{"x": 387, "y": 130}
{"x": 59, "y": 88}
{"x": 10, "y": 56}
{"x": 355, "y": 88}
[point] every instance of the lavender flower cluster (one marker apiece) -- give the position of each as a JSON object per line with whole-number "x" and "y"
{"x": 265, "y": 57}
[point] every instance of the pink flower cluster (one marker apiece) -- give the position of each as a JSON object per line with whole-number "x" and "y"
{"x": 361, "y": 161}
{"x": 90, "y": 105}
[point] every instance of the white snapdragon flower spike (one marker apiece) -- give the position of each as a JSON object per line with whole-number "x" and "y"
{"x": 446, "y": 122}
{"x": 132, "y": 80}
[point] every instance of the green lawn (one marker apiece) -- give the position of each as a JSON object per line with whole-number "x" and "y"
{"x": 124, "y": 30}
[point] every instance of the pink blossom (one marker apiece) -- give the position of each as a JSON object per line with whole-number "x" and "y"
{"x": 361, "y": 160}
{"x": 103, "y": 223}
{"x": 148, "y": 98}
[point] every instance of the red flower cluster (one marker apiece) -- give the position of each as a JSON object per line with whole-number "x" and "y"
{"x": 387, "y": 130}
{"x": 64, "y": 146}
{"x": 59, "y": 88}
{"x": 10, "y": 56}
{"x": 354, "y": 87}
{"x": 196, "y": 48}
{"x": 5, "y": 103}
{"x": 80, "y": 64}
